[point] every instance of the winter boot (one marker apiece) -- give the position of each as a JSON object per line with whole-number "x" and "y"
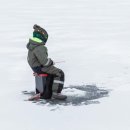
{"x": 58, "y": 96}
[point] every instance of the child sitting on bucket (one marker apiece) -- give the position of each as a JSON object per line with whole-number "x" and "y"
{"x": 40, "y": 63}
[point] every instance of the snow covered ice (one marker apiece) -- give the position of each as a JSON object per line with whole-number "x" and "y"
{"x": 93, "y": 37}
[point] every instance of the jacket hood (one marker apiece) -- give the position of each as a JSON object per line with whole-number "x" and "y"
{"x": 33, "y": 43}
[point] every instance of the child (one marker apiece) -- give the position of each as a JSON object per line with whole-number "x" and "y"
{"x": 40, "y": 63}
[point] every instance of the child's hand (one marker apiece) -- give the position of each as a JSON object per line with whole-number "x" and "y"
{"x": 35, "y": 74}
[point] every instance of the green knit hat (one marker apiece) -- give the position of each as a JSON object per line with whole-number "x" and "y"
{"x": 40, "y": 33}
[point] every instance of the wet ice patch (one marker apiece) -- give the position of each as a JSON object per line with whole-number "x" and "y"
{"x": 76, "y": 96}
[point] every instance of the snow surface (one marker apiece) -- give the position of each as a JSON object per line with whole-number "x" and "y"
{"x": 92, "y": 36}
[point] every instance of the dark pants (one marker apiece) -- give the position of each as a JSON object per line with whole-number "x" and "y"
{"x": 58, "y": 76}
